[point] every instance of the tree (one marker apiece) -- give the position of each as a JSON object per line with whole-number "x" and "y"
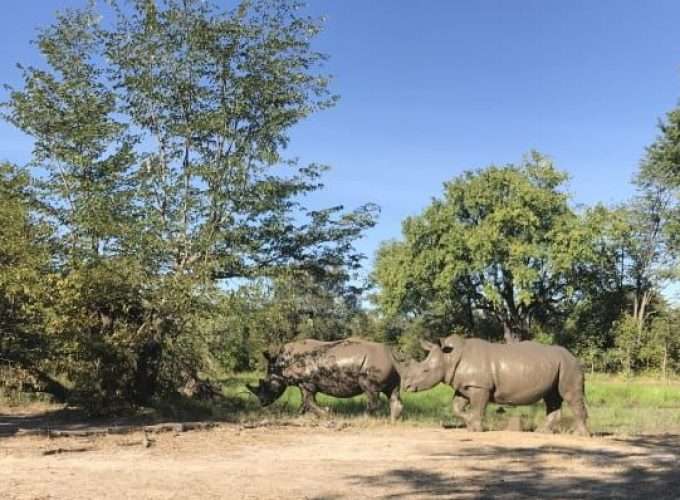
{"x": 653, "y": 244}
{"x": 82, "y": 151}
{"x": 25, "y": 272}
{"x": 267, "y": 313}
{"x": 162, "y": 127}
{"x": 603, "y": 282}
{"x": 649, "y": 258}
{"x": 501, "y": 243}
{"x": 663, "y": 347}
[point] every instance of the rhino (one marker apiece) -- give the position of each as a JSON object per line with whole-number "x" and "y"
{"x": 508, "y": 374}
{"x": 343, "y": 368}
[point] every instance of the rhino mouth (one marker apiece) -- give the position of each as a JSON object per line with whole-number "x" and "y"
{"x": 410, "y": 388}
{"x": 267, "y": 391}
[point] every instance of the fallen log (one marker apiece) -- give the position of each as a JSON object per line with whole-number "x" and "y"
{"x": 176, "y": 427}
{"x": 329, "y": 424}
{"x": 276, "y": 423}
{"x": 59, "y": 451}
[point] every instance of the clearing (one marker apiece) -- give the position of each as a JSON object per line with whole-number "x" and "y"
{"x": 334, "y": 459}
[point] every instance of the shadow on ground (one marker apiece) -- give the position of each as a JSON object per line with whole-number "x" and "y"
{"x": 11, "y": 424}
{"x": 647, "y": 469}
{"x": 235, "y": 406}
{"x": 76, "y": 419}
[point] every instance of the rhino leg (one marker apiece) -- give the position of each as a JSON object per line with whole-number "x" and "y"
{"x": 373, "y": 402}
{"x": 309, "y": 401}
{"x": 395, "y": 403}
{"x": 373, "y": 395}
{"x": 571, "y": 387}
{"x": 471, "y": 407}
{"x": 553, "y": 406}
{"x": 479, "y": 398}
{"x": 458, "y": 408}
{"x": 578, "y": 407}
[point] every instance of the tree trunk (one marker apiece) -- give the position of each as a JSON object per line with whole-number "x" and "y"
{"x": 146, "y": 376}
{"x": 639, "y": 312}
{"x": 50, "y": 386}
{"x": 664, "y": 363}
{"x": 511, "y": 334}
{"x": 470, "y": 314}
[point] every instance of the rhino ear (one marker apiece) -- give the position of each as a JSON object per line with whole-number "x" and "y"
{"x": 428, "y": 346}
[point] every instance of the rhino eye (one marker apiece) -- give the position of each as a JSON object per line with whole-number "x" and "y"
{"x": 447, "y": 349}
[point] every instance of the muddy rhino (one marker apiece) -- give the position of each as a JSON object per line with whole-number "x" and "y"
{"x": 343, "y": 369}
{"x": 510, "y": 374}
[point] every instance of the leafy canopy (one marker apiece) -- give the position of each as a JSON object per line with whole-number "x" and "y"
{"x": 160, "y": 129}
{"x": 502, "y": 242}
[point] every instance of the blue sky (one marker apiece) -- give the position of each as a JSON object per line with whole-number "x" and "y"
{"x": 429, "y": 89}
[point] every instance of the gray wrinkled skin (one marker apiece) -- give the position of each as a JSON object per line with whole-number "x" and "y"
{"x": 512, "y": 374}
{"x": 343, "y": 369}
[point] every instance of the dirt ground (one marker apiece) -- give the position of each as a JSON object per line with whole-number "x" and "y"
{"x": 333, "y": 460}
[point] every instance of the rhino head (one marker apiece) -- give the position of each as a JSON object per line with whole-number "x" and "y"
{"x": 270, "y": 388}
{"x": 439, "y": 365}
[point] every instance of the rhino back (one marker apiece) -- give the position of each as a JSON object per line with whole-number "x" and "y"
{"x": 519, "y": 373}
{"x": 337, "y": 368}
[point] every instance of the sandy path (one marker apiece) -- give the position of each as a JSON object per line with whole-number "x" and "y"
{"x": 361, "y": 461}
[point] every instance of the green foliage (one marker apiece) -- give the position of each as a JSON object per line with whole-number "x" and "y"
{"x": 654, "y": 349}
{"x": 268, "y": 313}
{"x": 661, "y": 350}
{"x": 159, "y": 134}
{"x": 627, "y": 342}
{"x": 651, "y": 241}
{"x": 502, "y": 243}
{"x": 25, "y": 245}
{"x": 94, "y": 316}
{"x": 502, "y": 251}
{"x": 661, "y": 166}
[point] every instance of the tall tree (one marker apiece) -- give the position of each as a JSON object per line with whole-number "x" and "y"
{"x": 161, "y": 126}
{"x": 83, "y": 151}
{"x": 25, "y": 275}
{"x": 654, "y": 243}
{"x": 501, "y": 242}
{"x": 214, "y": 95}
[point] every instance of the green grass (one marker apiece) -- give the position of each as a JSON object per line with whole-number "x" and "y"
{"x": 615, "y": 404}
{"x": 633, "y": 406}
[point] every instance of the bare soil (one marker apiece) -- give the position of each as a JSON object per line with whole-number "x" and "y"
{"x": 359, "y": 458}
